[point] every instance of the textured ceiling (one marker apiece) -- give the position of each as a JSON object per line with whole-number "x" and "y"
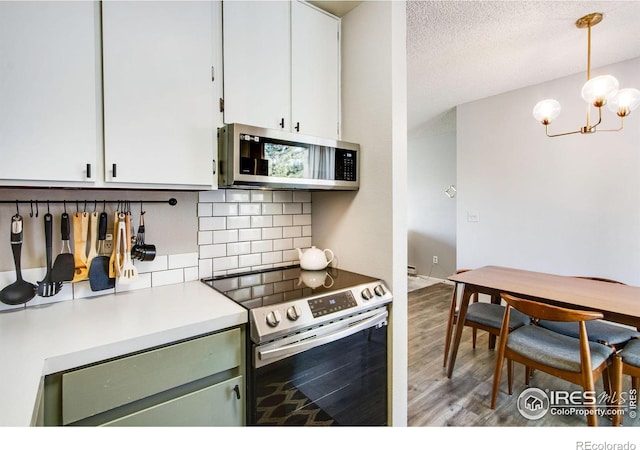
{"x": 460, "y": 51}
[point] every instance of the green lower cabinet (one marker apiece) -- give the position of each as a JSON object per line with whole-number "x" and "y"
{"x": 196, "y": 382}
{"x": 216, "y": 405}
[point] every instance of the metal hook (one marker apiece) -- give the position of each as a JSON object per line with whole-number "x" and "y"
{"x": 17, "y": 208}
{"x": 77, "y": 207}
{"x": 85, "y": 207}
{"x": 48, "y": 211}
{"x": 95, "y": 205}
{"x": 31, "y": 203}
{"x": 37, "y": 210}
{"x": 104, "y": 206}
{"x": 64, "y": 202}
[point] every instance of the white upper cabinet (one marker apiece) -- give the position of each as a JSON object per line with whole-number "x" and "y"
{"x": 159, "y": 97}
{"x": 281, "y": 67}
{"x": 257, "y": 61}
{"x": 49, "y": 96}
{"x": 315, "y": 76}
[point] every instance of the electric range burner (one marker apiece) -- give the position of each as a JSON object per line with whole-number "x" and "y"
{"x": 287, "y": 299}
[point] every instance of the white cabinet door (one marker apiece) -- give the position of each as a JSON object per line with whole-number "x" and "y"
{"x": 159, "y": 124}
{"x": 48, "y": 96}
{"x": 257, "y": 78}
{"x": 315, "y": 76}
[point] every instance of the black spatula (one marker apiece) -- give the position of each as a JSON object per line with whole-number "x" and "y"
{"x": 64, "y": 267}
{"x": 99, "y": 269}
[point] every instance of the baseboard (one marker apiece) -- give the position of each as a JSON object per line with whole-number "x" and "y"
{"x": 432, "y": 279}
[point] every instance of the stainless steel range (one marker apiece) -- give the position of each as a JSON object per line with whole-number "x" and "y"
{"x": 317, "y": 353}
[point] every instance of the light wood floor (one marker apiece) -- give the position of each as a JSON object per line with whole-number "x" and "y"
{"x": 464, "y": 400}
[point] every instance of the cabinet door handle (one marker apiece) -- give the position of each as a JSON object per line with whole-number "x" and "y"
{"x": 282, "y": 123}
{"x": 88, "y": 170}
{"x": 236, "y": 389}
{"x": 113, "y": 170}
{"x": 297, "y": 127}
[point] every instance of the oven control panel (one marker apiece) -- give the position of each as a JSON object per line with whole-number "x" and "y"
{"x": 274, "y": 321}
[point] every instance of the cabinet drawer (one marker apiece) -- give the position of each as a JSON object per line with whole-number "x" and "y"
{"x": 99, "y": 388}
{"x": 216, "y": 405}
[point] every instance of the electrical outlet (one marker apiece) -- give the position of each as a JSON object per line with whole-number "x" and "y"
{"x": 412, "y": 270}
{"x": 435, "y": 260}
{"x": 107, "y": 245}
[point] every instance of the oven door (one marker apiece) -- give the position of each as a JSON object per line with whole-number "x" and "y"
{"x": 332, "y": 375}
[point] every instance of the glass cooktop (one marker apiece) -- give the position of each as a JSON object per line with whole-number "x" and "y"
{"x": 283, "y": 284}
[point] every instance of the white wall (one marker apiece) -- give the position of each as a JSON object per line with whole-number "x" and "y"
{"x": 431, "y": 213}
{"x": 567, "y": 205}
{"x": 367, "y": 229}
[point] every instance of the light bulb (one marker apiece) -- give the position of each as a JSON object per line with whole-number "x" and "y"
{"x": 546, "y": 111}
{"x": 598, "y": 90}
{"x": 625, "y": 101}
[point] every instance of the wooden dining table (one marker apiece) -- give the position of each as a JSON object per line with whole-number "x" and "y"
{"x": 617, "y": 302}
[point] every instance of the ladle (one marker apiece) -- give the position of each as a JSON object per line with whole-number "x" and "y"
{"x": 20, "y": 291}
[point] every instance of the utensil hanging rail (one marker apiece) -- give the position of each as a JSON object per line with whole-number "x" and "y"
{"x": 172, "y": 202}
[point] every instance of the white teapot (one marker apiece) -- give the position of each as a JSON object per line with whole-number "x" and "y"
{"x": 314, "y": 259}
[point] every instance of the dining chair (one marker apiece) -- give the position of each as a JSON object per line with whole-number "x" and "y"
{"x": 480, "y": 316}
{"x": 601, "y": 331}
{"x": 626, "y": 362}
{"x": 577, "y": 361}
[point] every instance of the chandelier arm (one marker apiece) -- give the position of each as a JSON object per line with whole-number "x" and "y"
{"x": 589, "y": 128}
{"x": 616, "y": 129}
{"x": 560, "y": 134}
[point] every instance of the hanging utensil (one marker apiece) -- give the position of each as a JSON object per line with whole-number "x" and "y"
{"x": 114, "y": 260}
{"x": 99, "y": 278}
{"x": 64, "y": 268}
{"x": 128, "y": 272}
{"x": 93, "y": 238}
{"x": 142, "y": 251}
{"x": 47, "y": 287}
{"x": 80, "y": 228}
{"x": 20, "y": 291}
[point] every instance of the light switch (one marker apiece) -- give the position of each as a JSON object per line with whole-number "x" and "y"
{"x": 473, "y": 216}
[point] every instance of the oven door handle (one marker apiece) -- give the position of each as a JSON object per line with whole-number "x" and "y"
{"x": 377, "y": 320}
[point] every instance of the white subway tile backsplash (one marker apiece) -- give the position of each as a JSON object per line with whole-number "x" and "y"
{"x": 271, "y": 208}
{"x": 213, "y": 251}
{"x": 212, "y": 223}
{"x": 160, "y": 262}
{"x": 258, "y": 196}
{"x": 291, "y": 232}
{"x": 261, "y": 246}
{"x": 217, "y": 195}
{"x": 191, "y": 274}
{"x": 224, "y": 236}
{"x": 272, "y": 233}
{"x": 253, "y": 234}
{"x": 302, "y": 196}
{"x": 282, "y": 221}
{"x": 182, "y": 260}
{"x": 205, "y": 268}
{"x": 250, "y": 260}
{"x": 271, "y": 257}
{"x": 282, "y": 196}
{"x": 143, "y": 281}
{"x": 225, "y": 209}
{"x": 303, "y": 242}
{"x": 205, "y": 237}
{"x": 167, "y": 277}
{"x": 249, "y": 209}
{"x": 262, "y": 221}
{"x": 237, "y": 196}
{"x": 292, "y": 208}
{"x": 204, "y": 209}
{"x": 238, "y": 248}
{"x": 242, "y": 230}
{"x": 238, "y": 222}
{"x": 302, "y": 219}
{"x": 226, "y": 263}
{"x": 282, "y": 244}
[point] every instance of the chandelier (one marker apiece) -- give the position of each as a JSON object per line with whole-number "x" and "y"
{"x": 597, "y": 92}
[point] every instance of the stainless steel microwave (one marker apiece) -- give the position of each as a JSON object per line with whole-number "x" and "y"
{"x": 260, "y": 157}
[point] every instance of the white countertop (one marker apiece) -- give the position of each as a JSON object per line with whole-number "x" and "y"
{"x": 41, "y": 340}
